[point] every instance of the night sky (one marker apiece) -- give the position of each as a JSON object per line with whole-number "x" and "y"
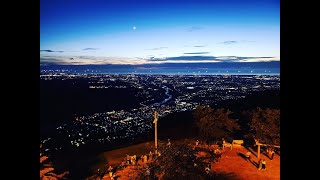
{"x": 144, "y": 32}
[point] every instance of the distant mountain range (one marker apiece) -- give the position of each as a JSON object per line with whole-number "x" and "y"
{"x": 272, "y": 64}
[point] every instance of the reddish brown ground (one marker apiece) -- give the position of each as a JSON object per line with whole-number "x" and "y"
{"x": 230, "y": 163}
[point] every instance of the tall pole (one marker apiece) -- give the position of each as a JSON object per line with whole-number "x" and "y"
{"x": 258, "y": 144}
{"x": 155, "y": 131}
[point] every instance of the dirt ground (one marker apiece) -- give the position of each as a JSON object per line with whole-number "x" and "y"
{"x": 231, "y": 163}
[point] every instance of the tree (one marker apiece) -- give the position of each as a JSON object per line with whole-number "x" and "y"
{"x": 177, "y": 162}
{"x": 265, "y": 125}
{"x": 46, "y": 169}
{"x": 214, "y": 124}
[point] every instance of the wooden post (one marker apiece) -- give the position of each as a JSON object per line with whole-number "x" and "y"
{"x": 258, "y": 144}
{"x": 155, "y": 131}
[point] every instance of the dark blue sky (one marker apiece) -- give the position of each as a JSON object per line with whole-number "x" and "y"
{"x": 134, "y": 32}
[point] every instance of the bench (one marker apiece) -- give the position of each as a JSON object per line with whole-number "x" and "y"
{"x": 237, "y": 142}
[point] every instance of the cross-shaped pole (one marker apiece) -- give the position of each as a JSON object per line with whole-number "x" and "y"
{"x": 156, "y": 131}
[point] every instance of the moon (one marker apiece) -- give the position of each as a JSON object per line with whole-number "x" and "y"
{"x": 134, "y": 28}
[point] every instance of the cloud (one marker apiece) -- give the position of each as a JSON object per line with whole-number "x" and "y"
{"x": 157, "y": 48}
{"x": 147, "y": 68}
{"x": 89, "y": 60}
{"x": 86, "y": 49}
{"x": 87, "y": 57}
{"x": 48, "y": 50}
{"x": 229, "y": 42}
{"x": 246, "y": 59}
{"x": 96, "y": 60}
{"x": 197, "y": 53}
{"x": 235, "y": 42}
{"x": 213, "y": 59}
{"x": 259, "y": 59}
{"x": 194, "y": 28}
{"x": 195, "y": 46}
{"x": 187, "y": 58}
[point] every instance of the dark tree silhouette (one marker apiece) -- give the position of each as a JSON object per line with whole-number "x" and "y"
{"x": 177, "y": 162}
{"x": 265, "y": 125}
{"x": 214, "y": 124}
